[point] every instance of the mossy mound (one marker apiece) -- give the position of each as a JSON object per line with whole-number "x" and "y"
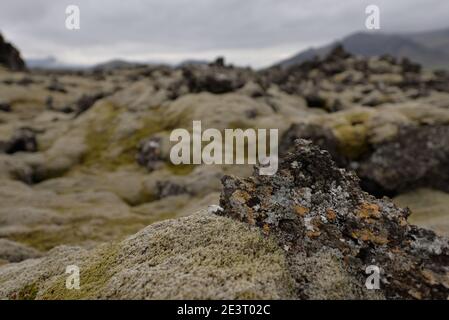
{"x": 198, "y": 257}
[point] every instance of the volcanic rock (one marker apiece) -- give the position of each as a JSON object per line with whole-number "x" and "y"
{"x": 314, "y": 208}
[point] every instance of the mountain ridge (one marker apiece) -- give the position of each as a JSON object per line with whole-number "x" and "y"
{"x": 429, "y": 48}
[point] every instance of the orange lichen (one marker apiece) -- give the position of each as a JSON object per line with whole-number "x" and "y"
{"x": 313, "y": 234}
{"x": 369, "y": 210}
{"x": 367, "y": 235}
{"x": 301, "y": 211}
{"x": 331, "y": 215}
{"x": 241, "y": 196}
{"x": 266, "y": 229}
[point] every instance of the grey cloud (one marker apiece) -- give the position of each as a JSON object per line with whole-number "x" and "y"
{"x": 198, "y": 28}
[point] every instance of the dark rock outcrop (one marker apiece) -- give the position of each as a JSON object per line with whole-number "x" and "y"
{"x": 23, "y": 139}
{"x": 417, "y": 157}
{"x": 10, "y": 56}
{"x": 215, "y": 78}
{"x": 149, "y": 153}
{"x": 314, "y": 208}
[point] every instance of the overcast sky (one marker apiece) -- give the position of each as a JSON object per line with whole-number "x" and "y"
{"x": 247, "y": 32}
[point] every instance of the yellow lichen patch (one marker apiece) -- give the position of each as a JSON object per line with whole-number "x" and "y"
{"x": 301, "y": 211}
{"x": 368, "y": 235}
{"x": 369, "y": 210}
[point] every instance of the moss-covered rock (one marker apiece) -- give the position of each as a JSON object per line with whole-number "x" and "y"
{"x": 198, "y": 257}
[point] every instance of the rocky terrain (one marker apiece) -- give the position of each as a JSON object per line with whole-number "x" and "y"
{"x": 86, "y": 180}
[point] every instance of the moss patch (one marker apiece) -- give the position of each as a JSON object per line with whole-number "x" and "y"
{"x": 29, "y": 292}
{"x": 105, "y": 149}
{"x": 353, "y": 140}
{"x": 93, "y": 277}
{"x": 71, "y": 233}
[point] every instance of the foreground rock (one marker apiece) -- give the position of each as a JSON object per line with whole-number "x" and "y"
{"x": 316, "y": 210}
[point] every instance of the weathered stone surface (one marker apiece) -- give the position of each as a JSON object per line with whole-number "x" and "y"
{"x": 314, "y": 208}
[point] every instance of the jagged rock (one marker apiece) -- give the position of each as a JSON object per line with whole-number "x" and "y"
{"x": 314, "y": 208}
{"x": 322, "y": 137}
{"x": 10, "y": 56}
{"x": 371, "y": 81}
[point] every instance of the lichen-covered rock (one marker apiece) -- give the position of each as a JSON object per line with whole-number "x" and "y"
{"x": 314, "y": 208}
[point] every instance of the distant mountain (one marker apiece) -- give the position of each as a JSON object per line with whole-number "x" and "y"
{"x": 193, "y": 62}
{"x": 431, "y": 49}
{"x": 116, "y": 64}
{"x": 51, "y": 63}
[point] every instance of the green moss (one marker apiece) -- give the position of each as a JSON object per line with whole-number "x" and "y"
{"x": 353, "y": 140}
{"x": 105, "y": 150}
{"x": 29, "y": 292}
{"x": 71, "y": 234}
{"x": 239, "y": 124}
{"x": 353, "y": 137}
{"x": 181, "y": 169}
{"x": 93, "y": 277}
